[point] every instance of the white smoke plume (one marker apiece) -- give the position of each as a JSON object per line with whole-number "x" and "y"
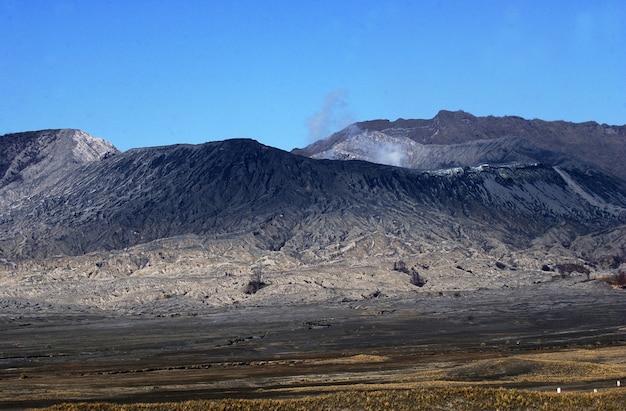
{"x": 391, "y": 154}
{"x": 332, "y": 117}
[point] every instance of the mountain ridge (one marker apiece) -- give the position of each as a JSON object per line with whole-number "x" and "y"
{"x": 31, "y": 161}
{"x": 599, "y": 144}
{"x": 181, "y": 228}
{"x": 237, "y": 186}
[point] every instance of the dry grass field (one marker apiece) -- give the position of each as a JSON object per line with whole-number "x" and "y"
{"x": 451, "y": 398}
{"x": 468, "y": 381}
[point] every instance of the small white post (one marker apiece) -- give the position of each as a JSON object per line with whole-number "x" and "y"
{"x": 595, "y": 390}
{"x": 558, "y": 390}
{"x": 619, "y": 383}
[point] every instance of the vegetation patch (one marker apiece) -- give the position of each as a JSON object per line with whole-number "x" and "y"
{"x": 256, "y": 281}
{"x": 520, "y": 369}
{"x": 567, "y": 269}
{"x": 416, "y": 279}
{"x": 442, "y": 398}
{"x": 618, "y": 280}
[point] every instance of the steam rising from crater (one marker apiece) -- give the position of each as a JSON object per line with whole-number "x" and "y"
{"x": 391, "y": 154}
{"x": 332, "y": 116}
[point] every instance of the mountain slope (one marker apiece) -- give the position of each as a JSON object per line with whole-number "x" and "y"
{"x": 241, "y": 188}
{"x": 458, "y": 138}
{"x": 179, "y": 229}
{"x": 31, "y": 161}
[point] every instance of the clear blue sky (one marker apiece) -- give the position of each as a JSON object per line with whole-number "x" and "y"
{"x": 156, "y": 72}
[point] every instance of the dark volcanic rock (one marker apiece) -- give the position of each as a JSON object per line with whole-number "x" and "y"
{"x": 240, "y": 188}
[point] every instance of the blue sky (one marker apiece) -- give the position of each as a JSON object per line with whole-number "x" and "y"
{"x": 147, "y": 73}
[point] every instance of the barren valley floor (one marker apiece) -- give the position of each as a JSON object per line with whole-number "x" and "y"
{"x": 562, "y": 334}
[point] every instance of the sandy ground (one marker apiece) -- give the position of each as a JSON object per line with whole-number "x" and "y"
{"x": 569, "y": 334}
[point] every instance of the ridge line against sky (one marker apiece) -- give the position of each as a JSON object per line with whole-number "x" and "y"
{"x": 286, "y": 73}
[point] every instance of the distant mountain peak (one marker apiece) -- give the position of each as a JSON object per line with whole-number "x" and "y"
{"x": 30, "y": 160}
{"x": 89, "y": 148}
{"x": 80, "y": 146}
{"x": 458, "y": 138}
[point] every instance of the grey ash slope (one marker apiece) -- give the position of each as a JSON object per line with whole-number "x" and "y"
{"x": 296, "y": 205}
{"x": 452, "y": 139}
{"x": 32, "y": 161}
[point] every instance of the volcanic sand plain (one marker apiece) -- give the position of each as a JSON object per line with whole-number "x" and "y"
{"x": 563, "y": 334}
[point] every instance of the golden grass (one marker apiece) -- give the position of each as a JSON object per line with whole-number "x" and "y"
{"x": 462, "y": 384}
{"x": 448, "y": 398}
{"x": 354, "y": 359}
{"x": 521, "y": 369}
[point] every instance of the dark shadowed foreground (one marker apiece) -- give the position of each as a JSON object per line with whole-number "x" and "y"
{"x": 563, "y": 334}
